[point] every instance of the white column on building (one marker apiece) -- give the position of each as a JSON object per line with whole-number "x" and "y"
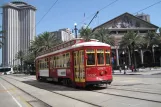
{"x": 129, "y": 57}
{"x": 142, "y": 59}
{"x": 117, "y": 56}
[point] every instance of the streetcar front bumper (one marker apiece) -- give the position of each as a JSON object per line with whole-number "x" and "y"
{"x": 98, "y": 82}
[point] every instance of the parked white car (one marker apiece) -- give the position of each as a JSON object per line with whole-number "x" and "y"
{"x": 6, "y": 70}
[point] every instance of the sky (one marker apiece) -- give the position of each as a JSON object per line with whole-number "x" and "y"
{"x": 67, "y": 12}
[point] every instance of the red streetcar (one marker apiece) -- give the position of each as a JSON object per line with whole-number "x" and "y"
{"x": 76, "y": 63}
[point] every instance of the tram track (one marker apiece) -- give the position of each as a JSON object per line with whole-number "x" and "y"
{"x": 42, "y": 102}
{"x": 130, "y": 90}
{"x": 108, "y": 93}
{"x": 52, "y": 92}
{"x": 126, "y": 96}
{"x": 135, "y": 91}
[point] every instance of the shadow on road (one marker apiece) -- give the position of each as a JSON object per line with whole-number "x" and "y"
{"x": 52, "y": 86}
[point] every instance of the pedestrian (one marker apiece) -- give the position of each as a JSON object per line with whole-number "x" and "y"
{"x": 120, "y": 69}
{"x": 125, "y": 68}
{"x": 132, "y": 68}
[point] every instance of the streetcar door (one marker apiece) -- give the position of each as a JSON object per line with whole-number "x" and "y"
{"x": 79, "y": 71}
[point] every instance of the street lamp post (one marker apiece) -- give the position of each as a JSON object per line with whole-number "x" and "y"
{"x": 75, "y": 25}
{"x": 123, "y": 53}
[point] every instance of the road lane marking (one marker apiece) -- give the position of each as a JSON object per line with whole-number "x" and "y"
{"x": 11, "y": 95}
{"x": 7, "y": 90}
{"x": 23, "y": 100}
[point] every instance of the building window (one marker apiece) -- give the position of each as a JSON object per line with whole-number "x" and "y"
{"x": 122, "y": 32}
{"x": 143, "y": 31}
{"x": 112, "y": 32}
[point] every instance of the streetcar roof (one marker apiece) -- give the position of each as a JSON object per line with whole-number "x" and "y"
{"x": 91, "y": 43}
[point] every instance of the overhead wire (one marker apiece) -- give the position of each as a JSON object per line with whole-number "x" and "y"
{"x": 116, "y": 1}
{"x": 148, "y": 7}
{"x": 97, "y": 11}
{"x": 46, "y": 13}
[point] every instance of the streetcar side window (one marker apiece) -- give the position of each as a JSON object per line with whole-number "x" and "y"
{"x": 64, "y": 60}
{"x": 75, "y": 59}
{"x": 39, "y": 64}
{"x": 60, "y": 59}
{"x": 107, "y": 53}
{"x": 51, "y": 62}
{"x": 57, "y": 64}
{"x": 100, "y": 57}
{"x": 68, "y": 59}
{"x": 46, "y": 63}
{"x": 54, "y": 62}
{"x": 90, "y": 57}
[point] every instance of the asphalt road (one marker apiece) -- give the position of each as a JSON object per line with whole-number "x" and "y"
{"x": 11, "y": 96}
{"x": 140, "y": 76}
{"x": 125, "y": 91}
{"x": 6, "y": 98}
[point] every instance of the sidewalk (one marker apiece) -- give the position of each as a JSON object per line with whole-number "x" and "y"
{"x": 145, "y": 71}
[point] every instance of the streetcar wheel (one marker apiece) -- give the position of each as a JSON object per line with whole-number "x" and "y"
{"x": 109, "y": 83}
{"x": 106, "y": 86}
{"x": 64, "y": 81}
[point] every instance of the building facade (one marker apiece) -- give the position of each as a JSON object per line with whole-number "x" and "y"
{"x": 18, "y": 24}
{"x": 119, "y": 26}
{"x": 63, "y": 35}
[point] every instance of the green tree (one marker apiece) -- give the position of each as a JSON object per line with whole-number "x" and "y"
{"x": 103, "y": 35}
{"x": 29, "y": 62}
{"x": 150, "y": 40}
{"x": 36, "y": 46}
{"x": 43, "y": 41}
{"x": 48, "y": 39}
{"x": 20, "y": 56}
{"x": 159, "y": 38}
{"x": 86, "y": 33}
{"x": 131, "y": 41}
{"x": 1, "y": 43}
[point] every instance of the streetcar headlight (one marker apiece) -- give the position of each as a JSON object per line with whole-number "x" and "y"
{"x": 102, "y": 72}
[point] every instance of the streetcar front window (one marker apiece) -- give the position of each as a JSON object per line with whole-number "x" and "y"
{"x": 100, "y": 56}
{"x": 107, "y": 57}
{"x": 90, "y": 57}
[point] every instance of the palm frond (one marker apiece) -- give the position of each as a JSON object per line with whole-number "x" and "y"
{"x": 103, "y": 35}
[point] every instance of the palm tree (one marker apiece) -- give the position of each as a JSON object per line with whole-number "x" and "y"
{"x": 43, "y": 41}
{"x": 1, "y": 43}
{"x": 159, "y": 38}
{"x": 48, "y": 39}
{"x": 131, "y": 41}
{"x": 29, "y": 62}
{"x": 20, "y": 56}
{"x": 103, "y": 35}
{"x": 36, "y": 46}
{"x": 86, "y": 33}
{"x": 151, "y": 40}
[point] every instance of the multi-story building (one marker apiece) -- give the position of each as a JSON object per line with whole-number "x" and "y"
{"x": 63, "y": 35}
{"x": 143, "y": 16}
{"x": 18, "y": 24}
{"x": 119, "y": 26}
